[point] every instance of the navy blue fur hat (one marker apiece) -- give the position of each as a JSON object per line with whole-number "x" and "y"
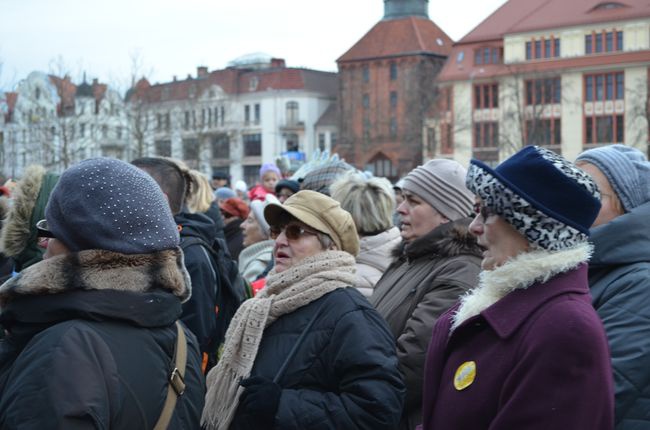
{"x": 549, "y": 200}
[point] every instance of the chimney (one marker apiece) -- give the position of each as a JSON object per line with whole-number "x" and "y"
{"x": 278, "y": 63}
{"x": 175, "y": 79}
{"x": 95, "y": 82}
{"x": 201, "y": 71}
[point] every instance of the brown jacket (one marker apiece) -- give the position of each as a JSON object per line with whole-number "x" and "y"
{"x": 425, "y": 279}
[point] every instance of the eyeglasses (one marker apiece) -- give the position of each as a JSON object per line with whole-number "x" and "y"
{"x": 42, "y": 229}
{"x": 484, "y": 211}
{"x": 292, "y": 231}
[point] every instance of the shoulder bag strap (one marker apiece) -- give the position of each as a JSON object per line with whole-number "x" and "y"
{"x": 176, "y": 386}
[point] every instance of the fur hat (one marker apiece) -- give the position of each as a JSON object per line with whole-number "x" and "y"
{"x": 545, "y": 197}
{"x": 627, "y": 169}
{"x": 321, "y": 213}
{"x": 104, "y": 203}
{"x": 441, "y": 184}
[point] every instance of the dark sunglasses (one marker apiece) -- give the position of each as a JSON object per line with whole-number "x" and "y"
{"x": 484, "y": 211}
{"x": 292, "y": 231}
{"x": 42, "y": 229}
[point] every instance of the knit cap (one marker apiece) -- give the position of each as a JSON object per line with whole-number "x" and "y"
{"x": 320, "y": 178}
{"x": 294, "y": 186}
{"x": 257, "y": 207}
{"x": 224, "y": 193}
{"x": 104, "y": 203}
{"x": 269, "y": 167}
{"x": 627, "y": 169}
{"x": 441, "y": 184}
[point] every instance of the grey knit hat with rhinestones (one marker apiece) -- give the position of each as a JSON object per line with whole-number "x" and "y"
{"x": 103, "y": 203}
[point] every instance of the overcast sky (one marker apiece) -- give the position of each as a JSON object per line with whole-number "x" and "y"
{"x": 172, "y": 37}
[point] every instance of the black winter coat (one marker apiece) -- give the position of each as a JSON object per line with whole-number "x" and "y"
{"x": 82, "y": 355}
{"x": 199, "y": 311}
{"x": 214, "y": 213}
{"x": 234, "y": 237}
{"x": 343, "y": 376}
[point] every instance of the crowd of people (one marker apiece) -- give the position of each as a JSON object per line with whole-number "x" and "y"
{"x": 147, "y": 295}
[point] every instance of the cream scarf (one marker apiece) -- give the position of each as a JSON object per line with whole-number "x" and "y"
{"x": 520, "y": 272}
{"x": 285, "y": 292}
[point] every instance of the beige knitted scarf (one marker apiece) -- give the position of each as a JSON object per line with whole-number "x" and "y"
{"x": 285, "y": 292}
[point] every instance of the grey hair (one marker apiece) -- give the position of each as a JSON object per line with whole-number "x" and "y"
{"x": 325, "y": 241}
{"x": 370, "y": 201}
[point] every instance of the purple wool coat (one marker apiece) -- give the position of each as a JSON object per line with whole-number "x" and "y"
{"x": 540, "y": 361}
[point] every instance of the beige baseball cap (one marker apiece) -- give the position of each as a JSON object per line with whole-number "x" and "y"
{"x": 321, "y": 213}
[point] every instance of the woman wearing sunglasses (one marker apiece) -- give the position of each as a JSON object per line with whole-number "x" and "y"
{"x": 308, "y": 351}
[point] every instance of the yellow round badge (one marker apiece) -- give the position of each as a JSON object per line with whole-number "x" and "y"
{"x": 465, "y": 375}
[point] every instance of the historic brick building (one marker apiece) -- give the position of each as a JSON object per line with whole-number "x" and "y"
{"x": 386, "y": 89}
{"x": 528, "y": 74}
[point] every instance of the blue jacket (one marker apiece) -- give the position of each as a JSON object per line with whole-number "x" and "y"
{"x": 619, "y": 277}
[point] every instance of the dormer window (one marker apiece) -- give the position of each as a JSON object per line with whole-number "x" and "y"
{"x": 605, "y": 41}
{"x": 608, "y": 6}
{"x": 252, "y": 83}
{"x": 487, "y": 55}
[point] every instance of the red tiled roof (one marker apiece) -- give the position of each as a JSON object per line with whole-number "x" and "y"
{"x": 395, "y": 37}
{"x": 11, "y": 98}
{"x": 519, "y": 16}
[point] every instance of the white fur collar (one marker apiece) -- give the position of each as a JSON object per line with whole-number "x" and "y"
{"x": 520, "y": 272}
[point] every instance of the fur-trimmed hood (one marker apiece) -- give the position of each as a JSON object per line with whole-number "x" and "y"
{"x": 447, "y": 240}
{"x": 101, "y": 270}
{"x": 18, "y": 238}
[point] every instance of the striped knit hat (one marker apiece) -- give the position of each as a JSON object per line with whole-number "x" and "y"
{"x": 441, "y": 184}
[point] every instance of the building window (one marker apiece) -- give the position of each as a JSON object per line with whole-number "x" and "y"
{"x": 606, "y": 86}
{"x": 252, "y": 174}
{"x": 82, "y": 130}
{"x": 257, "y": 113}
{"x": 393, "y": 127}
{"x": 486, "y": 96}
{"x": 252, "y": 83}
{"x": 321, "y": 142}
{"x": 292, "y": 113}
{"x": 366, "y": 101}
{"x": 393, "y": 71}
{"x": 333, "y": 139}
{"x": 607, "y": 41}
{"x": 366, "y": 128}
{"x": 487, "y": 55}
{"x": 163, "y": 148}
{"x": 223, "y": 115}
{"x": 167, "y": 121}
{"x": 544, "y": 132}
{"x": 191, "y": 152}
{"x": 365, "y": 71}
{"x": 381, "y": 166}
{"x": 221, "y": 147}
{"x": 186, "y": 124}
{"x": 252, "y": 145}
{"x": 247, "y": 114}
{"x": 446, "y": 138}
{"x": 118, "y": 132}
{"x": 104, "y": 131}
{"x": 393, "y": 99}
{"x": 293, "y": 142}
{"x": 543, "y": 91}
{"x": 543, "y": 48}
{"x": 604, "y": 129}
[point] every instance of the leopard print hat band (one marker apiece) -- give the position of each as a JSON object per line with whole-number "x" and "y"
{"x": 545, "y": 197}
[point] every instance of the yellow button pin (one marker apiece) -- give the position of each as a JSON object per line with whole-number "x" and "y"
{"x": 465, "y": 375}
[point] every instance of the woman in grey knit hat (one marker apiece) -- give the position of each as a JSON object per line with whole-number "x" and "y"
{"x": 437, "y": 260}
